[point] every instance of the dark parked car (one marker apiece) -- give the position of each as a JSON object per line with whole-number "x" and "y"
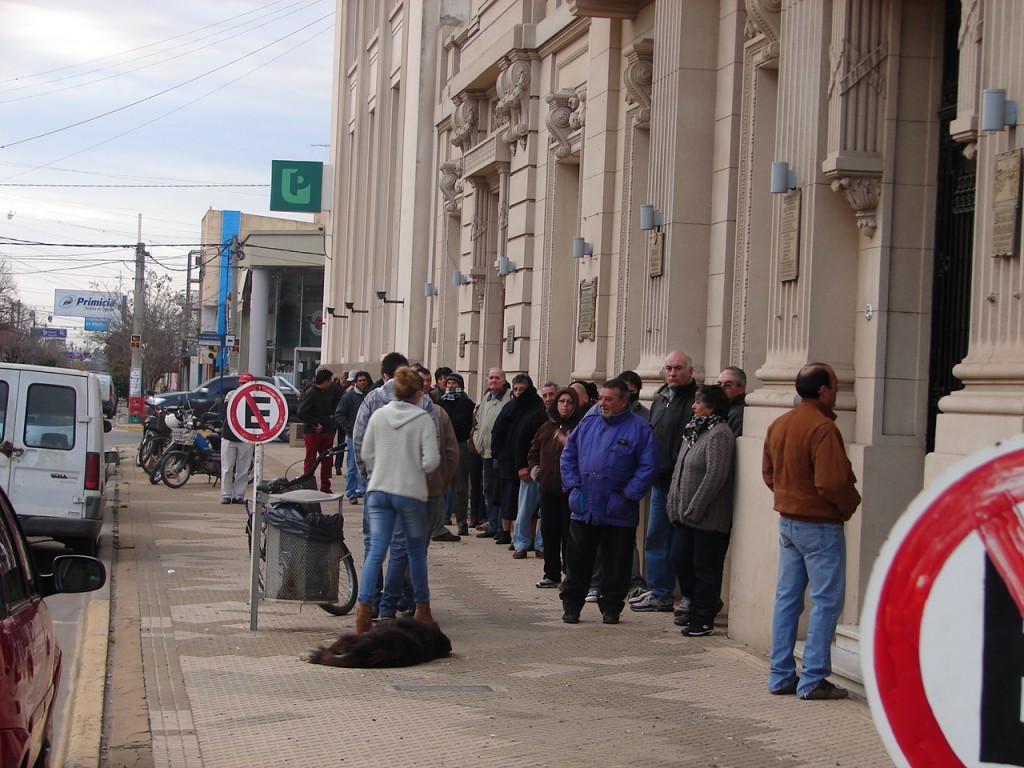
{"x": 205, "y": 397}
{"x": 30, "y": 658}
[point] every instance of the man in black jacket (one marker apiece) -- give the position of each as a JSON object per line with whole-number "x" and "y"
{"x": 671, "y": 410}
{"x": 508, "y": 427}
{"x": 459, "y": 407}
{"x": 345, "y": 415}
{"x": 317, "y": 413}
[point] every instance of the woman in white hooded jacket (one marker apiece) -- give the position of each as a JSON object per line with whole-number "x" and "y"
{"x": 399, "y": 449}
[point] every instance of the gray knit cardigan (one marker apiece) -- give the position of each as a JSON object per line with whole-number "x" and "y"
{"x": 701, "y": 491}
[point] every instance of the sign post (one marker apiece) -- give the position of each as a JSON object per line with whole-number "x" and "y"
{"x": 943, "y": 622}
{"x": 257, "y": 412}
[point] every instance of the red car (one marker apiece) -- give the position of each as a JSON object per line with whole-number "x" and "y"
{"x": 29, "y": 656}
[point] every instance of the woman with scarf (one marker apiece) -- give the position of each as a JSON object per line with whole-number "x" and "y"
{"x": 543, "y": 461}
{"x": 700, "y": 508}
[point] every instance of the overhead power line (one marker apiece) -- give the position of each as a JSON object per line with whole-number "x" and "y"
{"x": 165, "y": 90}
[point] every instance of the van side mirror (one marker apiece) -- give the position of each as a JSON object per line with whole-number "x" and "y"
{"x": 107, "y": 426}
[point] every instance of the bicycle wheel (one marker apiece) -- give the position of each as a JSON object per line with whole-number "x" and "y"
{"x": 175, "y": 468}
{"x": 348, "y": 585}
{"x": 151, "y": 450}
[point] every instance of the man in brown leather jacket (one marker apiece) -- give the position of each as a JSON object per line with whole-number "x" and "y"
{"x": 806, "y": 467}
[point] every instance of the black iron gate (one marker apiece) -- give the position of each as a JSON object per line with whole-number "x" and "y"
{"x": 954, "y": 239}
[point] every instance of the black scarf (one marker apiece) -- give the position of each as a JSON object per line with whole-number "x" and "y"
{"x": 699, "y": 424}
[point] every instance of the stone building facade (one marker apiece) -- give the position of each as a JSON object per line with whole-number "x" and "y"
{"x": 491, "y": 158}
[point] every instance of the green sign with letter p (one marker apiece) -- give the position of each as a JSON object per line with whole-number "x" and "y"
{"x": 296, "y": 185}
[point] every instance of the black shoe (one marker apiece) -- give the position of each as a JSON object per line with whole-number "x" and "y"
{"x": 483, "y": 527}
{"x": 486, "y": 535}
{"x": 682, "y": 621}
{"x": 571, "y": 618}
{"x": 609, "y": 618}
{"x": 238, "y": 500}
{"x": 463, "y": 530}
{"x": 504, "y": 537}
{"x": 447, "y": 521}
{"x": 785, "y": 690}
{"x": 699, "y": 630}
{"x": 446, "y": 536}
{"x": 825, "y": 691}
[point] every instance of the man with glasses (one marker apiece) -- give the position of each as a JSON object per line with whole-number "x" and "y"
{"x": 734, "y": 381}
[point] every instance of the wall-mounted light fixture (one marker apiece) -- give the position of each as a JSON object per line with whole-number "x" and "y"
{"x": 581, "y": 248}
{"x": 458, "y": 278}
{"x": 650, "y": 218}
{"x": 383, "y": 296}
{"x": 330, "y": 311}
{"x": 505, "y": 266}
{"x": 997, "y": 111}
{"x": 351, "y": 307}
{"x": 429, "y": 289}
{"x": 783, "y": 179}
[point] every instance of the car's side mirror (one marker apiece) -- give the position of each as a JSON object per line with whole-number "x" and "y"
{"x": 73, "y": 573}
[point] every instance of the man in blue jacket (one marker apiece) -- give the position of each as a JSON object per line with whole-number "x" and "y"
{"x": 608, "y": 466}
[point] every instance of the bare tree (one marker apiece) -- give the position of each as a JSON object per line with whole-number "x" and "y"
{"x": 164, "y": 333}
{"x": 18, "y": 342}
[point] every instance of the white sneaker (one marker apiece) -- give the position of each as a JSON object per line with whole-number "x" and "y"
{"x": 639, "y": 598}
{"x": 592, "y": 596}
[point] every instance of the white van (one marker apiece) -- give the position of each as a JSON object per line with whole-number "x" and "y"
{"x": 51, "y": 454}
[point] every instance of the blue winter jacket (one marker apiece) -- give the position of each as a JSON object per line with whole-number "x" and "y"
{"x": 608, "y": 466}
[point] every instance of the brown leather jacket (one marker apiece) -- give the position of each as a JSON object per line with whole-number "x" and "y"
{"x": 806, "y": 466}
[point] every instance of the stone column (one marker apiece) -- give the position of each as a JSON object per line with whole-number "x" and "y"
{"x": 682, "y": 143}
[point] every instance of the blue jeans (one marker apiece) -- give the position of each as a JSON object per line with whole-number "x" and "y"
{"x": 354, "y": 484}
{"x": 810, "y": 554}
{"x": 661, "y": 577}
{"x": 490, "y": 480}
{"x": 383, "y": 511}
{"x": 529, "y": 504}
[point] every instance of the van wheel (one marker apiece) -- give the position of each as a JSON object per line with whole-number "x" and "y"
{"x": 83, "y": 546}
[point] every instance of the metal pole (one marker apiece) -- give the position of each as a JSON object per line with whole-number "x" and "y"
{"x": 138, "y": 318}
{"x": 257, "y": 540}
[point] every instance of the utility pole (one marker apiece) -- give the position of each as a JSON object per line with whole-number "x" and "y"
{"x": 135, "y": 394}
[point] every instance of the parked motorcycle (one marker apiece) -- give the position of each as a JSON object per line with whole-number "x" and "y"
{"x": 191, "y": 453}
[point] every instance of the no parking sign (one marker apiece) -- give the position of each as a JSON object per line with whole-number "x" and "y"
{"x": 943, "y": 623}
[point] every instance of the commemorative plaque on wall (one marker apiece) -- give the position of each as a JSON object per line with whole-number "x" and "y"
{"x": 586, "y": 327}
{"x": 1006, "y": 192}
{"x": 789, "y": 236}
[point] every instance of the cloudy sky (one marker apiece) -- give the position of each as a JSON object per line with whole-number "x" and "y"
{"x": 114, "y": 108}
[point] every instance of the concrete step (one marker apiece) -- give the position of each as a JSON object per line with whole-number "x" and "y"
{"x": 846, "y": 669}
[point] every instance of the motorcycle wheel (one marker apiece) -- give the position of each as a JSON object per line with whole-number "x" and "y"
{"x": 175, "y": 468}
{"x": 348, "y": 585}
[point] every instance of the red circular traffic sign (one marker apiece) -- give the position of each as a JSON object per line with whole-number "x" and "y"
{"x": 981, "y": 499}
{"x": 257, "y": 412}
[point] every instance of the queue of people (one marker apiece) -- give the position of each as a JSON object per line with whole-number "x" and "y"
{"x": 563, "y": 472}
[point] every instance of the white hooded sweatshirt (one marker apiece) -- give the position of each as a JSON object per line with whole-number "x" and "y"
{"x": 400, "y": 450}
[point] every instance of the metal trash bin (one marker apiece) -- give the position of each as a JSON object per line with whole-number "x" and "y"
{"x": 303, "y": 554}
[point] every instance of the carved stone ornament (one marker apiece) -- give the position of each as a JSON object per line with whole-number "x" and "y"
{"x": 464, "y": 120}
{"x": 562, "y": 120}
{"x": 450, "y": 173}
{"x": 513, "y": 107}
{"x": 763, "y": 19}
{"x": 638, "y": 77}
{"x": 862, "y": 194}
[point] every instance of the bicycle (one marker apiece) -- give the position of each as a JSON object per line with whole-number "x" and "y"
{"x": 347, "y": 581}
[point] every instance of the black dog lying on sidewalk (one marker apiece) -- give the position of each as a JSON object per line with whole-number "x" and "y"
{"x": 394, "y": 643}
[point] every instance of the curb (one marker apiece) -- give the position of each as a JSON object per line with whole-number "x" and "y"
{"x": 79, "y": 745}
